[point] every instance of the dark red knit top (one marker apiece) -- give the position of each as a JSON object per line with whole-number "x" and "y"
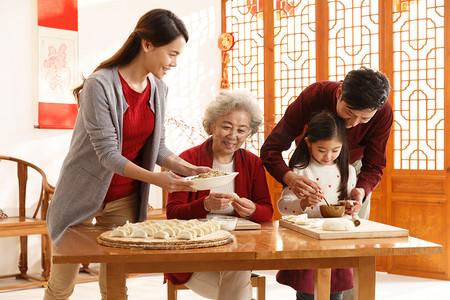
{"x": 138, "y": 125}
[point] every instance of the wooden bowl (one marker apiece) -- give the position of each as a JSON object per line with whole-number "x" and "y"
{"x": 333, "y": 211}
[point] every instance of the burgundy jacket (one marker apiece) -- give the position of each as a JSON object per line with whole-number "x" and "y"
{"x": 250, "y": 183}
{"x": 367, "y": 141}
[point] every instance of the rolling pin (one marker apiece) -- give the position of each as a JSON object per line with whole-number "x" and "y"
{"x": 355, "y": 219}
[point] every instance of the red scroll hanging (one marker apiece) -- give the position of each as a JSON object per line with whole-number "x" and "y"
{"x": 58, "y": 63}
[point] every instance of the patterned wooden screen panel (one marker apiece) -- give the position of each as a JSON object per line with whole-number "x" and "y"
{"x": 418, "y": 35}
{"x": 246, "y": 67}
{"x": 295, "y": 52}
{"x": 353, "y": 36}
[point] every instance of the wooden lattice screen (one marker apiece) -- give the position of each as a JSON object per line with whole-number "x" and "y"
{"x": 282, "y": 46}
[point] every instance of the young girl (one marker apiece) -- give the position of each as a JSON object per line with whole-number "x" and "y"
{"x": 321, "y": 156}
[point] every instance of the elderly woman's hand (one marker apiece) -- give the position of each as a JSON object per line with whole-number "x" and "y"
{"x": 217, "y": 201}
{"x": 244, "y": 207}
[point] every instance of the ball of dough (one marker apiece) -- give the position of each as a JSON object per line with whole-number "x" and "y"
{"x": 338, "y": 224}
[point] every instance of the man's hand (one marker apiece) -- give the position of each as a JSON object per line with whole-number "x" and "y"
{"x": 353, "y": 207}
{"x": 301, "y": 186}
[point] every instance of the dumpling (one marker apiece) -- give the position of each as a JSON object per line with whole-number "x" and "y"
{"x": 118, "y": 233}
{"x": 170, "y": 231}
{"x": 125, "y": 228}
{"x": 132, "y": 228}
{"x": 206, "y": 229}
{"x": 193, "y": 232}
{"x": 199, "y": 231}
{"x": 176, "y": 229}
{"x": 161, "y": 235}
{"x": 289, "y": 218}
{"x": 157, "y": 226}
{"x": 170, "y": 223}
{"x": 139, "y": 234}
{"x": 194, "y": 222}
{"x": 235, "y": 196}
{"x": 215, "y": 224}
{"x": 184, "y": 235}
{"x": 301, "y": 219}
{"x": 150, "y": 230}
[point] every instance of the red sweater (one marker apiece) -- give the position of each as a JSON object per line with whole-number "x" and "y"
{"x": 138, "y": 125}
{"x": 367, "y": 141}
{"x": 250, "y": 183}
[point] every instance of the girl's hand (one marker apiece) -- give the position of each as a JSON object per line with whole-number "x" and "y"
{"x": 244, "y": 207}
{"x": 301, "y": 186}
{"x": 310, "y": 201}
{"x": 217, "y": 201}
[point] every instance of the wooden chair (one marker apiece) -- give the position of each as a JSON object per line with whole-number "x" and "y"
{"x": 258, "y": 282}
{"x": 23, "y": 225}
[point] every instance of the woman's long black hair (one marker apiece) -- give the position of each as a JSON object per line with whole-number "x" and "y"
{"x": 324, "y": 126}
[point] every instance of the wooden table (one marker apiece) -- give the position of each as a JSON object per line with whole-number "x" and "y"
{"x": 271, "y": 248}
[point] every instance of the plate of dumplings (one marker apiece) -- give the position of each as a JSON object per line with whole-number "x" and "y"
{"x": 166, "y": 234}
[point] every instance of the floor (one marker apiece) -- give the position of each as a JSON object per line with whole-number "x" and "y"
{"x": 149, "y": 287}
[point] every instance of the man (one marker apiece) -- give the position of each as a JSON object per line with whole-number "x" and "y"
{"x": 361, "y": 100}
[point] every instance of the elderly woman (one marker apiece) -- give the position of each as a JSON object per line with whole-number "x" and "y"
{"x": 230, "y": 119}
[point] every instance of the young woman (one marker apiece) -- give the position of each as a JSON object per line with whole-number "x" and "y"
{"x": 118, "y": 139}
{"x": 321, "y": 156}
{"x": 229, "y": 120}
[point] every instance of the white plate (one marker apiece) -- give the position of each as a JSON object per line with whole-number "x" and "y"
{"x": 212, "y": 182}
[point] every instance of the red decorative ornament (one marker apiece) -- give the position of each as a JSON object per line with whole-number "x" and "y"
{"x": 226, "y": 42}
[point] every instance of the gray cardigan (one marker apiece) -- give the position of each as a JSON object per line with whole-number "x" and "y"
{"x": 95, "y": 151}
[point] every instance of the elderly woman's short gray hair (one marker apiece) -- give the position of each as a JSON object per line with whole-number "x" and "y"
{"x": 228, "y": 101}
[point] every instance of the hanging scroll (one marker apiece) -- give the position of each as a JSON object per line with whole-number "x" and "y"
{"x": 58, "y": 63}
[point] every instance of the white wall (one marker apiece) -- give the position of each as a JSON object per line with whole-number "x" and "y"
{"x": 103, "y": 27}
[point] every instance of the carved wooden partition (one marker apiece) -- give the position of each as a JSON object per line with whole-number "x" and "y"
{"x": 282, "y": 46}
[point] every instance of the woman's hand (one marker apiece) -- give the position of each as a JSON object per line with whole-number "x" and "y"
{"x": 180, "y": 166}
{"x": 172, "y": 182}
{"x": 301, "y": 186}
{"x": 217, "y": 201}
{"x": 200, "y": 170}
{"x": 243, "y": 206}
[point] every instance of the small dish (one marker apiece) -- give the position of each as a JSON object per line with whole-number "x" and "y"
{"x": 226, "y": 222}
{"x": 201, "y": 184}
{"x": 332, "y": 211}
